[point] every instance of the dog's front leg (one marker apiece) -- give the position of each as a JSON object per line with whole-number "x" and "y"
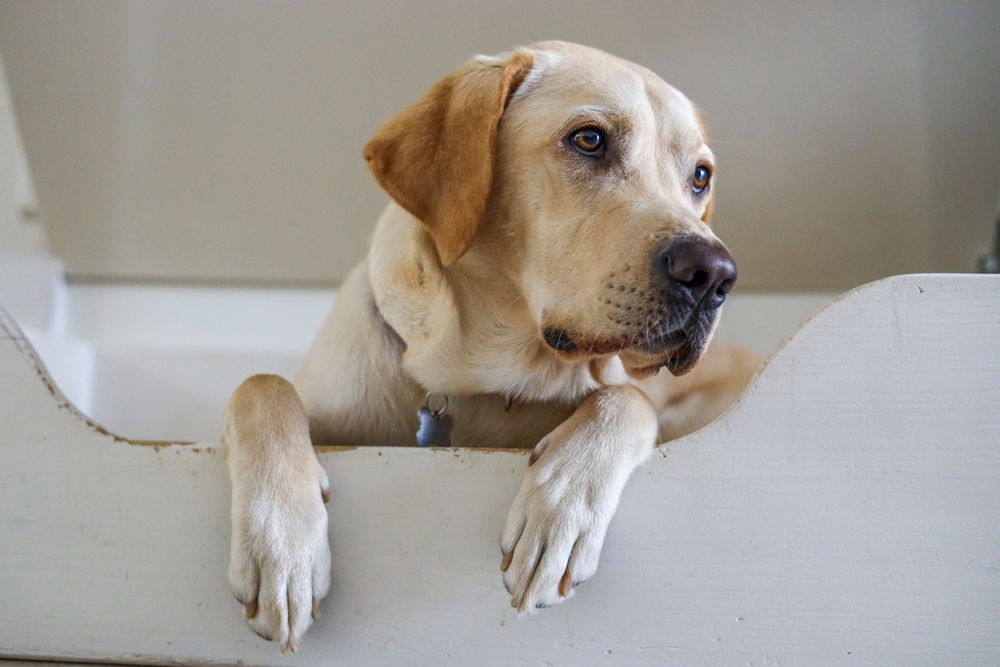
{"x": 556, "y": 527}
{"x": 279, "y": 565}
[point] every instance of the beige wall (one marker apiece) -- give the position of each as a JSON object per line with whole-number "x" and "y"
{"x": 222, "y": 140}
{"x": 21, "y": 229}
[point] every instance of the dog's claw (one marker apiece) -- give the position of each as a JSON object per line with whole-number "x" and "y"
{"x": 250, "y": 608}
{"x": 507, "y": 558}
{"x": 565, "y": 585}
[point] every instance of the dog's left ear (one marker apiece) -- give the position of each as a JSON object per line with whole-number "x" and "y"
{"x": 435, "y": 158}
{"x": 706, "y": 217}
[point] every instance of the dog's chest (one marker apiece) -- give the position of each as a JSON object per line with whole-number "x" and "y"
{"x": 482, "y": 421}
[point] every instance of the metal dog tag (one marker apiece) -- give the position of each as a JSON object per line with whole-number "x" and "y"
{"x": 435, "y": 425}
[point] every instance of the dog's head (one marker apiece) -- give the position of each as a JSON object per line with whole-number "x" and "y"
{"x": 587, "y": 182}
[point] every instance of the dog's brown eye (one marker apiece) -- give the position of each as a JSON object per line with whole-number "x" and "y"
{"x": 588, "y": 141}
{"x": 699, "y": 182}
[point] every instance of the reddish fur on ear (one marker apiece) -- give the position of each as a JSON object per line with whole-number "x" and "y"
{"x": 435, "y": 158}
{"x": 706, "y": 217}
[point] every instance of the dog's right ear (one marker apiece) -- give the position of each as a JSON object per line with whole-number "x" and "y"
{"x": 435, "y": 158}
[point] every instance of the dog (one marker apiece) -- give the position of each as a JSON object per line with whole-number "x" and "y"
{"x": 546, "y": 252}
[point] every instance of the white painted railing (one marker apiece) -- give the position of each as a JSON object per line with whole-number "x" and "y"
{"x": 845, "y": 511}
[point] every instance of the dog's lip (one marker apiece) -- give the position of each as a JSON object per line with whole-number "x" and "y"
{"x": 665, "y": 347}
{"x": 660, "y": 344}
{"x": 682, "y": 359}
{"x": 559, "y": 339}
{"x": 678, "y": 359}
{"x": 663, "y": 341}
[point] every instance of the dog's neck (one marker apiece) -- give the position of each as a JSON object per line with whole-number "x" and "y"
{"x": 467, "y": 327}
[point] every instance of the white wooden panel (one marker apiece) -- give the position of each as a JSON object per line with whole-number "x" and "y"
{"x": 845, "y": 511}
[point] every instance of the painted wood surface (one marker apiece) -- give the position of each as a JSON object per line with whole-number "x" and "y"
{"x": 845, "y": 511}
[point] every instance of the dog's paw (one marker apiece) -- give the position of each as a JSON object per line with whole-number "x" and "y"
{"x": 553, "y": 537}
{"x": 279, "y": 565}
{"x": 555, "y": 528}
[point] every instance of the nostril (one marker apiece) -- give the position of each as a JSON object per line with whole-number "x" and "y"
{"x": 725, "y": 287}
{"x": 684, "y": 271}
{"x": 698, "y": 280}
{"x": 722, "y": 288}
{"x": 718, "y": 297}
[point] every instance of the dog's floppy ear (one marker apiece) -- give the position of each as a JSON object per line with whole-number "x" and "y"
{"x": 435, "y": 158}
{"x": 706, "y": 217}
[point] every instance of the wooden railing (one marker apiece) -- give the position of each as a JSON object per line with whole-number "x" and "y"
{"x": 845, "y": 510}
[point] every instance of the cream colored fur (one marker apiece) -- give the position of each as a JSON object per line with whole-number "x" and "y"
{"x": 454, "y": 297}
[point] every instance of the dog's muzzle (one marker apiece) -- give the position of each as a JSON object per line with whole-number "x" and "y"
{"x": 690, "y": 279}
{"x": 695, "y": 275}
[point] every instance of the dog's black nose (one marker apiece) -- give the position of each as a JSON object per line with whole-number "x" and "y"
{"x": 698, "y": 269}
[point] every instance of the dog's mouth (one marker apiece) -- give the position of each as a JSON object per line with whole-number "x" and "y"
{"x": 676, "y": 348}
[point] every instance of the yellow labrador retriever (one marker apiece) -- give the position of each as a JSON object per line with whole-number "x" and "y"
{"x": 546, "y": 252}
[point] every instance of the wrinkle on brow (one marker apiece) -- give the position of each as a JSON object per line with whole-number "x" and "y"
{"x": 616, "y": 122}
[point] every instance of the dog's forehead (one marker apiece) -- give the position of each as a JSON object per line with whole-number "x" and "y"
{"x": 568, "y": 79}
